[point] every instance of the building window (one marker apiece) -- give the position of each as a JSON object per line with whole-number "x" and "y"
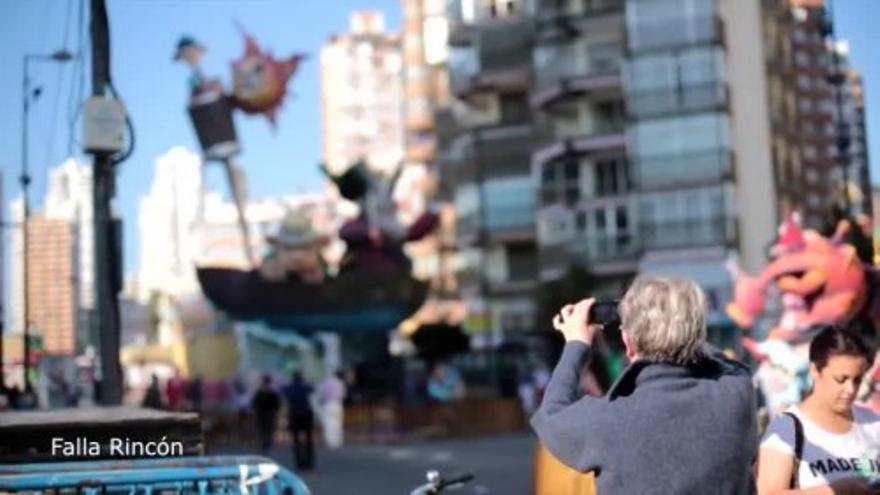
{"x": 803, "y": 81}
{"x": 501, "y": 8}
{"x": 690, "y": 79}
{"x": 611, "y": 176}
{"x": 622, "y": 219}
{"x": 600, "y": 220}
{"x": 806, "y": 105}
{"x": 510, "y": 202}
{"x": 809, "y": 152}
{"x": 661, "y": 23}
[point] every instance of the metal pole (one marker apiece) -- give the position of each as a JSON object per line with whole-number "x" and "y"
{"x": 102, "y": 192}
{"x": 236, "y": 186}
{"x": 2, "y": 271}
{"x": 25, "y": 180}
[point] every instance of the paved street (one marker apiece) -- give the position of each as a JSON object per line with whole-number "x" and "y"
{"x": 502, "y": 465}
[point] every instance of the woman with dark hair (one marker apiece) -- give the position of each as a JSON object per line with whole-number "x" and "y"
{"x": 825, "y": 444}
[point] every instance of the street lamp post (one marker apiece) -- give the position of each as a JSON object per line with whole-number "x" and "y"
{"x": 59, "y": 56}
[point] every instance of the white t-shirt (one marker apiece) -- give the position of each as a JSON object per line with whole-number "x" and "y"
{"x": 827, "y": 456}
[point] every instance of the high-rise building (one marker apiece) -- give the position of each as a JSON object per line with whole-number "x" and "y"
{"x": 69, "y": 198}
{"x": 667, "y": 136}
{"x": 361, "y": 96}
{"x": 587, "y": 206}
{"x": 51, "y": 290}
{"x": 426, "y": 92}
{"x": 485, "y": 164}
{"x": 850, "y": 125}
{"x": 168, "y": 222}
{"x": 804, "y": 70}
{"x": 182, "y": 226}
{"x": 701, "y": 145}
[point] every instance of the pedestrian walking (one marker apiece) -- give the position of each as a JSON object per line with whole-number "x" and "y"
{"x": 825, "y": 444}
{"x": 331, "y": 394}
{"x": 301, "y": 420}
{"x": 266, "y": 404}
{"x": 153, "y": 397}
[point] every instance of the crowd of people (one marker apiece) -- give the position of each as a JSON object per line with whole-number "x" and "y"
{"x": 302, "y": 401}
{"x": 180, "y": 394}
{"x": 682, "y": 416}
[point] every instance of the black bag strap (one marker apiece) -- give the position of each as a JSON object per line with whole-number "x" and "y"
{"x": 798, "y": 448}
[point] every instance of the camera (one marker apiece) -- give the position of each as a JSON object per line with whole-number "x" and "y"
{"x": 604, "y": 312}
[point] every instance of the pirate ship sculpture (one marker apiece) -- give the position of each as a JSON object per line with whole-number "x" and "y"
{"x": 373, "y": 291}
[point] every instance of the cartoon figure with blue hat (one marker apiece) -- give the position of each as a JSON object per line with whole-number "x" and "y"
{"x": 190, "y": 52}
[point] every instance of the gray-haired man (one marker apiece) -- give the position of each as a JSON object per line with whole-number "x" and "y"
{"x": 680, "y": 419}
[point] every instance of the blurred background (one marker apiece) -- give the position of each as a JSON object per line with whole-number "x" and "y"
{"x": 557, "y": 148}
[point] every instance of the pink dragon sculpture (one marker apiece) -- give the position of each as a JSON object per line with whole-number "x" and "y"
{"x": 820, "y": 280}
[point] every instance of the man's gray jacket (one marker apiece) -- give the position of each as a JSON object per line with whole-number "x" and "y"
{"x": 661, "y": 429}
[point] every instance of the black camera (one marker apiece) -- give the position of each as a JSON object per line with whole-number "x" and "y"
{"x": 604, "y": 312}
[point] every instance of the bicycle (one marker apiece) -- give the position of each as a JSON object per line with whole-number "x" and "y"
{"x": 437, "y": 484}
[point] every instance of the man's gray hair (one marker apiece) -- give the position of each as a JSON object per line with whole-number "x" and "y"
{"x": 665, "y": 317}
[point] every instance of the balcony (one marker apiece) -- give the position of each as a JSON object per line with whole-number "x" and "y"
{"x": 560, "y": 19}
{"x": 509, "y": 214}
{"x": 515, "y": 271}
{"x": 573, "y": 70}
{"x": 489, "y": 154}
{"x": 679, "y": 234}
{"x": 563, "y": 138}
{"x": 683, "y": 169}
{"x": 604, "y": 254}
{"x": 460, "y": 22}
{"x": 684, "y": 31}
{"x": 499, "y": 61}
{"x": 643, "y": 104}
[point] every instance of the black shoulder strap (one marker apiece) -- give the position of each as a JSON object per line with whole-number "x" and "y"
{"x": 798, "y": 448}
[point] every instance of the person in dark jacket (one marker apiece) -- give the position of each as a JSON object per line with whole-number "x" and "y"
{"x": 680, "y": 419}
{"x": 266, "y": 403}
{"x": 301, "y": 420}
{"x": 153, "y": 397}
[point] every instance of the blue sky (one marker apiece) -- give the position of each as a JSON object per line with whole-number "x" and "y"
{"x": 144, "y": 33}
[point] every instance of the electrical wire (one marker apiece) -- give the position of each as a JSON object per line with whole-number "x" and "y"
{"x": 128, "y": 125}
{"x": 77, "y": 78}
{"x": 53, "y": 123}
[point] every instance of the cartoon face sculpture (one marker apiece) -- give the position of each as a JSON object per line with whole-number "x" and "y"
{"x": 260, "y": 80}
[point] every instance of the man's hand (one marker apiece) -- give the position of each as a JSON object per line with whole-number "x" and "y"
{"x": 572, "y": 322}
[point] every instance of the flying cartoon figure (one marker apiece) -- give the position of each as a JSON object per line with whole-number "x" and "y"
{"x": 260, "y": 81}
{"x": 259, "y": 85}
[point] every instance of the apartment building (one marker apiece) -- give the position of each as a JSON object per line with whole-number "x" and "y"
{"x": 361, "y": 96}
{"x": 485, "y": 164}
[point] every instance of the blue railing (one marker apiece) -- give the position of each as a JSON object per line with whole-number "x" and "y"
{"x": 202, "y": 475}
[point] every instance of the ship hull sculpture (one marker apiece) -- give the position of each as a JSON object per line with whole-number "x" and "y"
{"x": 374, "y": 290}
{"x": 821, "y": 281}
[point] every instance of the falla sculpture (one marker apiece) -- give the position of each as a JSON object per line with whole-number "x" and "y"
{"x": 291, "y": 289}
{"x": 819, "y": 280}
